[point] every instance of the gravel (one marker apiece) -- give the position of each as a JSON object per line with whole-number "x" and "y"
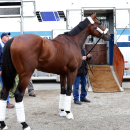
{"x": 107, "y": 111}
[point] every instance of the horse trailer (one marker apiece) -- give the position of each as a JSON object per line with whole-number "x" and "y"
{"x": 49, "y": 18}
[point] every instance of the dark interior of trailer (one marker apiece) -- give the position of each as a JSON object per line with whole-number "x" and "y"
{"x": 103, "y": 52}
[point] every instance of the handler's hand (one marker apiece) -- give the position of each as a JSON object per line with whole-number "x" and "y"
{"x": 0, "y": 72}
{"x": 84, "y": 57}
{"x": 89, "y": 55}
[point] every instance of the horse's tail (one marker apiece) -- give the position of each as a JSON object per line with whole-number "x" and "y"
{"x": 8, "y": 70}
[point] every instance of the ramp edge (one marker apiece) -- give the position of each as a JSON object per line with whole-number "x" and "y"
{"x": 114, "y": 75}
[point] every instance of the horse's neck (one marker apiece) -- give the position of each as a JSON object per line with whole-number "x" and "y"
{"x": 81, "y": 37}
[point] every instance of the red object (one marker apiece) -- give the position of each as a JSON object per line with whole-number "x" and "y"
{"x": 118, "y": 64}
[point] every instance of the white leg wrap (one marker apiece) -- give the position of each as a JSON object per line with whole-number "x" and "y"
{"x": 62, "y": 101}
{"x": 68, "y": 107}
{"x": 20, "y": 112}
{"x": 2, "y": 110}
{"x": 67, "y": 103}
{"x": 62, "y": 104}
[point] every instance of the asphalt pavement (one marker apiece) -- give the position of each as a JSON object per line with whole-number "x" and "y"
{"x": 53, "y": 85}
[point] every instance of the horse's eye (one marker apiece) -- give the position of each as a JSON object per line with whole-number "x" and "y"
{"x": 100, "y": 23}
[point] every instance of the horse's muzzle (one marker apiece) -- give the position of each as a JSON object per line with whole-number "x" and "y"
{"x": 106, "y": 37}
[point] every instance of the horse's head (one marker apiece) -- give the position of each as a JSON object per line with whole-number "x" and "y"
{"x": 97, "y": 29}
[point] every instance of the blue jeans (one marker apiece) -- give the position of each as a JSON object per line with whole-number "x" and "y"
{"x": 83, "y": 94}
{"x": 2, "y": 87}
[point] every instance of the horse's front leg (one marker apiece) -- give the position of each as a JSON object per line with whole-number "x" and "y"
{"x": 3, "y": 103}
{"x": 70, "y": 81}
{"x": 19, "y": 103}
{"x": 62, "y": 95}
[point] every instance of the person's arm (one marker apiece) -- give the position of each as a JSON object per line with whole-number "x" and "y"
{"x": 88, "y": 56}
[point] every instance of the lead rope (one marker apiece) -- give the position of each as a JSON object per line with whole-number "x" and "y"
{"x": 95, "y": 44}
{"x": 121, "y": 33}
{"x": 90, "y": 68}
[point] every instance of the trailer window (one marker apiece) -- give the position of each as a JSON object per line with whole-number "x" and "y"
{"x": 9, "y": 11}
{"x": 48, "y": 16}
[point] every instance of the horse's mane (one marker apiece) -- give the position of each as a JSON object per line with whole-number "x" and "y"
{"x": 81, "y": 26}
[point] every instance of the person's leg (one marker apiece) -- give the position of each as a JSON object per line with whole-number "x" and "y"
{"x": 8, "y": 100}
{"x": 8, "y": 104}
{"x": 30, "y": 88}
{"x": 2, "y": 87}
{"x": 83, "y": 87}
{"x": 1, "y": 82}
{"x": 76, "y": 88}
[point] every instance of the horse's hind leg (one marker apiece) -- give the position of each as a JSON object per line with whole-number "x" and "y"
{"x": 23, "y": 82}
{"x": 62, "y": 95}
{"x": 3, "y": 103}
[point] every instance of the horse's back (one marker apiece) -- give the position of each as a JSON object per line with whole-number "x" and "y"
{"x": 25, "y": 40}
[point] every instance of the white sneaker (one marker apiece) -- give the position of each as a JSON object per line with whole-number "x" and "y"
{"x": 70, "y": 116}
{"x": 62, "y": 113}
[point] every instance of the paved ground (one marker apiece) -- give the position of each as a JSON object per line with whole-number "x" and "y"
{"x": 107, "y": 111}
{"x": 52, "y": 85}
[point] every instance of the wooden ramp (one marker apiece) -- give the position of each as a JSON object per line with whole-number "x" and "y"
{"x": 103, "y": 80}
{"x": 107, "y": 78}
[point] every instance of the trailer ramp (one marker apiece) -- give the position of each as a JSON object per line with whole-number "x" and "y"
{"x": 103, "y": 79}
{"x": 106, "y": 78}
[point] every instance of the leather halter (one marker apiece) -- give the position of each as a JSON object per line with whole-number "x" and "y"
{"x": 98, "y": 29}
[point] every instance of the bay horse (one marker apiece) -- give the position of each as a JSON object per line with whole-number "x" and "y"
{"x": 23, "y": 54}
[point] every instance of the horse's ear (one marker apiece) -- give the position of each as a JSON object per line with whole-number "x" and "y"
{"x": 93, "y": 15}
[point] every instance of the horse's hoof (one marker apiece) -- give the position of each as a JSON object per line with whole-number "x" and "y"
{"x": 70, "y": 116}
{"x": 28, "y": 128}
{"x": 62, "y": 113}
{"x": 5, "y": 128}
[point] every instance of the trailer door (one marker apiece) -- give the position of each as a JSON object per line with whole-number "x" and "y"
{"x": 10, "y": 17}
{"x": 122, "y": 18}
{"x": 29, "y": 8}
{"x": 73, "y": 18}
{"x": 122, "y": 30}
